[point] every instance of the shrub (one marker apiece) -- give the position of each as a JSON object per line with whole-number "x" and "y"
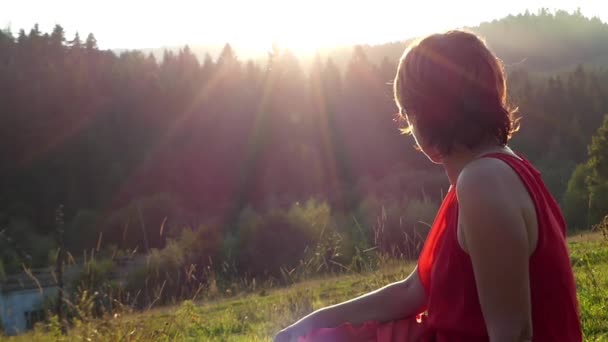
{"x": 354, "y": 235}
{"x": 270, "y": 243}
{"x": 399, "y": 228}
{"x": 576, "y": 199}
{"x": 312, "y": 217}
{"x": 95, "y": 273}
{"x": 179, "y": 270}
{"x": 21, "y": 244}
{"x": 141, "y": 223}
{"x": 38, "y": 248}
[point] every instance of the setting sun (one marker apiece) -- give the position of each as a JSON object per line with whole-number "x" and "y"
{"x": 255, "y": 25}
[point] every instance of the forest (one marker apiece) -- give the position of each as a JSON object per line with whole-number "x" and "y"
{"x": 256, "y": 167}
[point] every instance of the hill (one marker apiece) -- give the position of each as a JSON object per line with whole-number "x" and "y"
{"x": 262, "y": 312}
{"x": 545, "y": 41}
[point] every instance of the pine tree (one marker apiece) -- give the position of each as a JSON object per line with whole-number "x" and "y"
{"x": 91, "y": 42}
{"x": 188, "y": 60}
{"x": 227, "y": 57}
{"x": 76, "y": 43}
{"x": 151, "y": 59}
{"x": 35, "y": 32}
{"x": 21, "y": 37}
{"x": 58, "y": 36}
{"x": 207, "y": 64}
{"x": 6, "y": 44}
{"x": 168, "y": 57}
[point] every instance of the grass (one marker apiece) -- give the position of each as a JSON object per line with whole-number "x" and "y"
{"x": 589, "y": 256}
{"x": 257, "y": 316}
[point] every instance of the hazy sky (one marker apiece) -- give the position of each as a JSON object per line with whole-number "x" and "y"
{"x": 300, "y": 25}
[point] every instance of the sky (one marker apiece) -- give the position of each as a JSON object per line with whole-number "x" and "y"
{"x": 299, "y": 25}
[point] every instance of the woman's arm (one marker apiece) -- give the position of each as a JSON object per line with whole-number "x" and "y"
{"x": 397, "y": 300}
{"x": 496, "y": 238}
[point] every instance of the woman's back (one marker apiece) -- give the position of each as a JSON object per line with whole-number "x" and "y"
{"x": 446, "y": 271}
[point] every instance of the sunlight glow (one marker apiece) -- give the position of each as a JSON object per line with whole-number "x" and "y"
{"x": 300, "y": 26}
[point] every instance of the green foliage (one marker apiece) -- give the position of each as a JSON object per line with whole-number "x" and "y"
{"x": 135, "y": 150}
{"x": 327, "y": 249}
{"x": 144, "y": 222}
{"x": 597, "y": 182}
{"x": 82, "y": 232}
{"x": 576, "y": 199}
{"x": 257, "y": 316}
{"x": 302, "y": 241}
{"x": 182, "y": 269}
{"x": 547, "y": 40}
{"x": 275, "y": 241}
{"x": 399, "y": 227}
{"x": 590, "y": 260}
{"x": 95, "y": 274}
{"x": 21, "y": 244}
{"x": 586, "y": 199}
{"x": 312, "y": 217}
{"x": 2, "y": 271}
{"x": 39, "y": 247}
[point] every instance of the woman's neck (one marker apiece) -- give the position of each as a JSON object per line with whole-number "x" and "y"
{"x": 457, "y": 160}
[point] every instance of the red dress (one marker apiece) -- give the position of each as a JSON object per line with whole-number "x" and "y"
{"x": 445, "y": 270}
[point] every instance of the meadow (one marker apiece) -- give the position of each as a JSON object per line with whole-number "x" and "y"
{"x": 256, "y": 314}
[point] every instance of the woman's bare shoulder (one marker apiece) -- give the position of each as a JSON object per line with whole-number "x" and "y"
{"x": 488, "y": 177}
{"x": 491, "y": 198}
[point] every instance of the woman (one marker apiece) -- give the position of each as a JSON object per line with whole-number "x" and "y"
{"x": 495, "y": 265}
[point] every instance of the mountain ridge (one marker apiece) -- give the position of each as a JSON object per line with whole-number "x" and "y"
{"x": 544, "y": 41}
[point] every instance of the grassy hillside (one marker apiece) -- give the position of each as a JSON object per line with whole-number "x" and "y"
{"x": 256, "y": 316}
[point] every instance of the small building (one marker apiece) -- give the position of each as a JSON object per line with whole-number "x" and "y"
{"x": 25, "y": 296}
{"x": 22, "y": 299}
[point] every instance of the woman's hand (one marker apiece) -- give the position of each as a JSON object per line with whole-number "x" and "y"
{"x": 395, "y": 301}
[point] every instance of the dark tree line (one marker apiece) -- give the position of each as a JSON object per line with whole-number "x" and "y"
{"x": 108, "y": 136}
{"x": 128, "y": 143}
